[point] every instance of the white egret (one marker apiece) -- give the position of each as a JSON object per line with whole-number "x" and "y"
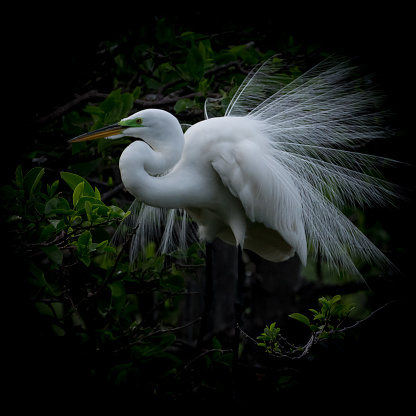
{"x": 271, "y": 175}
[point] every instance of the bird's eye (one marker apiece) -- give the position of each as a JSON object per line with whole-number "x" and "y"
{"x": 139, "y": 120}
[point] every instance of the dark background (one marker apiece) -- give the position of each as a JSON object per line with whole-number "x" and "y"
{"x": 49, "y": 55}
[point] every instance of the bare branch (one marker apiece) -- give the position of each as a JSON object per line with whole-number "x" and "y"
{"x": 368, "y": 317}
{"x": 68, "y": 106}
{"x": 112, "y": 192}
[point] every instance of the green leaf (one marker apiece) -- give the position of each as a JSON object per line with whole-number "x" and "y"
{"x": 226, "y": 359}
{"x": 78, "y": 191}
{"x": 349, "y": 308}
{"x": 174, "y": 282}
{"x": 156, "y": 344}
{"x": 92, "y": 200}
{"x": 47, "y": 232}
{"x": 84, "y": 239}
{"x": 324, "y": 301}
{"x": 19, "y": 177}
{"x": 184, "y": 104}
{"x": 301, "y": 318}
{"x": 323, "y": 335}
{"x": 93, "y": 110}
{"x": 126, "y": 104}
{"x": 115, "y": 107}
{"x": 57, "y": 206}
{"x": 117, "y": 212}
{"x": 31, "y": 179}
{"x": 338, "y": 310}
{"x": 58, "y": 224}
{"x": 194, "y": 67}
{"x": 76, "y": 221}
{"x": 216, "y": 344}
{"x": 83, "y": 248}
{"x": 136, "y": 93}
{"x": 40, "y": 277}
{"x": 52, "y": 189}
{"x": 117, "y": 289}
{"x": 108, "y": 105}
{"x": 53, "y": 253}
{"x": 118, "y": 373}
{"x": 336, "y": 298}
{"x": 118, "y": 295}
{"x": 195, "y": 62}
{"x": 88, "y": 210}
{"x": 73, "y": 180}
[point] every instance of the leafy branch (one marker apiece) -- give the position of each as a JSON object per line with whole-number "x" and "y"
{"x": 327, "y": 324}
{"x": 82, "y": 286}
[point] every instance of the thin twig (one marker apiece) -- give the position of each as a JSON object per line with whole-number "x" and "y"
{"x": 159, "y": 331}
{"x": 314, "y": 339}
{"x": 177, "y": 328}
{"x": 202, "y": 354}
{"x": 245, "y": 334}
{"x": 368, "y": 317}
{"x": 112, "y": 192}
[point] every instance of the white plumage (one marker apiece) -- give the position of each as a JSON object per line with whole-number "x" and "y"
{"x": 270, "y": 175}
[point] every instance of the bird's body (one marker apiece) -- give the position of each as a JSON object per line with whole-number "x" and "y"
{"x": 270, "y": 175}
{"x": 223, "y": 181}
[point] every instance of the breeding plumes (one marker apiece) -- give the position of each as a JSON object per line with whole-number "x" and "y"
{"x": 272, "y": 175}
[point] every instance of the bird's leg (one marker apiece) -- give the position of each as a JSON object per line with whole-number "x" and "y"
{"x": 209, "y": 290}
{"x": 238, "y": 306}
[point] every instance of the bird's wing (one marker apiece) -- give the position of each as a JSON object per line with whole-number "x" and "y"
{"x": 265, "y": 189}
{"x": 315, "y": 123}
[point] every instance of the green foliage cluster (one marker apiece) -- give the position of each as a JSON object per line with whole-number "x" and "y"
{"x": 173, "y": 61}
{"x": 329, "y": 319}
{"x": 327, "y": 324}
{"x": 269, "y": 338}
{"x": 84, "y": 288}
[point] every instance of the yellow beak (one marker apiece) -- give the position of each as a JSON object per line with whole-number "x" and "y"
{"x": 99, "y": 133}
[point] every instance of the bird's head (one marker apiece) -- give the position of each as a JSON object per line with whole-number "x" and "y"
{"x": 150, "y": 125}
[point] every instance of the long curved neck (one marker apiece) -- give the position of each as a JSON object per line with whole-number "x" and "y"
{"x": 139, "y": 162}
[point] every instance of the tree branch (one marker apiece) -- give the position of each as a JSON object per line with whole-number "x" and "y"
{"x": 79, "y": 99}
{"x": 112, "y": 192}
{"x": 68, "y": 106}
{"x": 368, "y": 317}
{"x": 314, "y": 339}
